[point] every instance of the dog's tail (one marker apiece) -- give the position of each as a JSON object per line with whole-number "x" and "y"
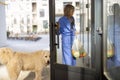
{"x": 5, "y": 55}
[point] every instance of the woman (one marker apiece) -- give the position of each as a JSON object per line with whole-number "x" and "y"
{"x": 67, "y": 31}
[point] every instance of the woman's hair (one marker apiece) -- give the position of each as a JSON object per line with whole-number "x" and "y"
{"x": 116, "y": 9}
{"x": 67, "y": 9}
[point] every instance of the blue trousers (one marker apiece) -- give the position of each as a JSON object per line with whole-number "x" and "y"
{"x": 67, "y": 57}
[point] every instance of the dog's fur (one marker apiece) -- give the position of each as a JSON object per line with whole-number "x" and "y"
{"x": 17, "y": 61}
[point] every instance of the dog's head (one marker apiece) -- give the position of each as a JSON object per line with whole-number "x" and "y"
{"x": 5, "y": 55}
{"x": 44, "y": 56}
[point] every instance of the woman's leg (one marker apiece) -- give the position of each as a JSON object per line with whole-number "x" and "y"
{"x": 67, "y": 57}
{"x": 67, "y": 42}
{"x": 66, "y": 50}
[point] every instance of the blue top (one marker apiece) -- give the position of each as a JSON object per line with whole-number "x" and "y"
{"x": 67, "y": 28}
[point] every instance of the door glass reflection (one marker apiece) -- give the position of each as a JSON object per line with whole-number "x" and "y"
{"x": 113, "y": 39}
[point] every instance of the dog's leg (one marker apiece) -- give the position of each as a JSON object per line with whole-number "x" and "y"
{"x": 13, "y": 71}
{"x": 38, "y": 75}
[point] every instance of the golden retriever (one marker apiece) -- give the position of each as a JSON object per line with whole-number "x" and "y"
{"x": 18, "y": 61}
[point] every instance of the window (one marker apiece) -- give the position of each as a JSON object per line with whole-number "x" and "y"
{"x": 28, "y": 19}
{"x": 42, "y": 13}
{"x": 45, "y": 24}
{"x": 77, "y": 4}
{"x": 15, "y": 21}
{"x": 22, "y": 21}
{"x": 44, "y": 4}
{"x": 34, "y": 7}
{"x": 65, "y": 3}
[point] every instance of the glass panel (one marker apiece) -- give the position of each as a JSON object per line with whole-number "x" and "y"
{"x": 113, "y": 38}
{"x": 82, "y": 17}
{"x": 27, "y": 29}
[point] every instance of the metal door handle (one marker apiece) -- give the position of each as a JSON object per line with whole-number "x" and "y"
{"x": 57, "y": 33}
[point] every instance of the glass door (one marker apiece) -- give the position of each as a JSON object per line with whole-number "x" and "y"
{"x": 82, "y": 16}
{"x": 87, "y": 67}
{"x": 112, "y": 39}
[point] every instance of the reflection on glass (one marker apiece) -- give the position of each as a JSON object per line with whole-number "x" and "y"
{"x": 113, "y": 39}
{"x": 113, "y": 43}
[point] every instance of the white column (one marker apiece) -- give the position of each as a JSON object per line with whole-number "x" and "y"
{"x": 3, "y": 37}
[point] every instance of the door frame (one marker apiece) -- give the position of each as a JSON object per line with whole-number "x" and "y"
{"x": 97, "y": 69}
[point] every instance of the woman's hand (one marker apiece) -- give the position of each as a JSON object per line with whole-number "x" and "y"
{"x": 57, "y": 25}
